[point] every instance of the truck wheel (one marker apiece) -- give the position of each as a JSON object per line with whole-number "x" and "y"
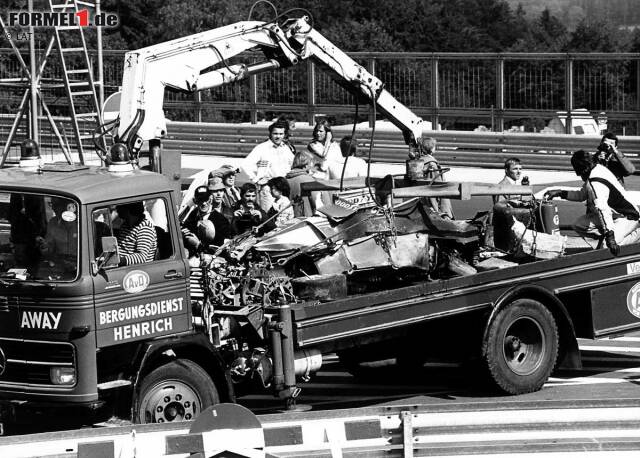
{"x": 522, "y": 346}
{"x": 176, "y": 391}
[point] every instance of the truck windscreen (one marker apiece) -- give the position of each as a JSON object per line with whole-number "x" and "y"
{"x": 38, "y": 237}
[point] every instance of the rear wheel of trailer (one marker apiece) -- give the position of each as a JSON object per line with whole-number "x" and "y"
{"x": 521, "y": 346}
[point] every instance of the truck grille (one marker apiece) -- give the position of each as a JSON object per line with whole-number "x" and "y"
{"x": 29, "y": 362}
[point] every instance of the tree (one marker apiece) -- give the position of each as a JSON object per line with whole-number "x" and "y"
{"x": 597, "y": 36}
{"x": 361, "y": 36}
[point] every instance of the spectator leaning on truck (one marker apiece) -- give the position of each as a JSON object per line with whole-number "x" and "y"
{"x": 610, "y": 211}
{"x": 612, "y": 158}
{"x": 272, "y": 158}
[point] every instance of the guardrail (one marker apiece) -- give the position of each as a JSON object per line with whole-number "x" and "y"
{"x": 455, "y": 148}
{"x": 525, "y": 428}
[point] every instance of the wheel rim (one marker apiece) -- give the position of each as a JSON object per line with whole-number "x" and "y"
{"x": 170, "y": 401}
{"x": 523, "y": 346}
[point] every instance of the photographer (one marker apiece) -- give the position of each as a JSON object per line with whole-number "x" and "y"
{"x": 247, "y": 213}
{"x": 609, "y": 156}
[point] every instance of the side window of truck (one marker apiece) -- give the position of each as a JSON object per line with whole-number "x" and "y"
{"x": 107, "y": 222}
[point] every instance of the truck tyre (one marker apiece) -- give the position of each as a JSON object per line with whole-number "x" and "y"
{"x": 521, "y": 346}
{"x": 176, "y": 391}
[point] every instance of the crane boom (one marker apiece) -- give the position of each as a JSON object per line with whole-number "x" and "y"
{"x": 201, "y": 61}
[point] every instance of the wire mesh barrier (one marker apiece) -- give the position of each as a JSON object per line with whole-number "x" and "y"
{"x": 457, "y": 91}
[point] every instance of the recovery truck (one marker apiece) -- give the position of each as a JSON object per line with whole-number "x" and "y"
{"x": 159, "y": 341}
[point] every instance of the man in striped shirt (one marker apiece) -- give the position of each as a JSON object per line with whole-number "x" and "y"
{"x": 137, "y": 239}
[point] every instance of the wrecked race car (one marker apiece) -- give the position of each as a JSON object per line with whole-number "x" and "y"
{"x": 372, "y": 239}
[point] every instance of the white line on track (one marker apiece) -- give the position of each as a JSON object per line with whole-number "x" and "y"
{"x": 490, "y": 436}
{"x": 611, "y": 349}
{"x": 576, "y": 454}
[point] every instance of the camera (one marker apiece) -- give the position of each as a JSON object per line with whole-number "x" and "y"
{"x": 604, "y": 152}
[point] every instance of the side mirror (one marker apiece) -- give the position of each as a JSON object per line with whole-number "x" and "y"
{"x": 109, "y": 258}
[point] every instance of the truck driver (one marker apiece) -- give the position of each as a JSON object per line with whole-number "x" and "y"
{"x": 137, "y": 239}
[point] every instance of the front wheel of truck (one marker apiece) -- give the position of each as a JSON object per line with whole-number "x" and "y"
{"x": 521, "y": 347}
{"x": 176, "y": 391}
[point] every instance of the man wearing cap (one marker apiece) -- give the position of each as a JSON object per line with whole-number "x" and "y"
{"x": 272, "y": 158}
{"x": 207, "y": 224}
{"x": 231, "y": 192}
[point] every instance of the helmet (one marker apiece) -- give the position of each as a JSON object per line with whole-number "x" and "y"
{"x": 206, "y": 231}
{"x": 29, "y": 149}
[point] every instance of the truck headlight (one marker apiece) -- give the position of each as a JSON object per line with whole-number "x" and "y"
{"x": 63, "y": 375}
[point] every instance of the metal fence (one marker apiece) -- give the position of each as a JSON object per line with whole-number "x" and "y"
{"x": 452, "y": 90}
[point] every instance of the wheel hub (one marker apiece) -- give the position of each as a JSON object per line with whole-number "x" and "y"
{"x": 523, "y": 348}
{"x": 170, "y": 402}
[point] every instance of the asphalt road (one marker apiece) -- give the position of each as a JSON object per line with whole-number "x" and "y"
{"x": 611, "y": 371}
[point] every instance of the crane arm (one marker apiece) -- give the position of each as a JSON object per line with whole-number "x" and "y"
{"x": 201, "y": 61}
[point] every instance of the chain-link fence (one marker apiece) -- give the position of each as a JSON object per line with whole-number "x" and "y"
{"x": 452, "y": 90}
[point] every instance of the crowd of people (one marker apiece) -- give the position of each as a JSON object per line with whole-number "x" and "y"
{"x": 611, "y": 216}
{"x": 273, "y": 195}
{"x": 220, "y": 210}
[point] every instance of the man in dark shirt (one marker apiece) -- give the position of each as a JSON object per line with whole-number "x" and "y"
{"x": 247, "y": 214}
{"x": 207, "y": 224}
{"x": 613, "y": 159}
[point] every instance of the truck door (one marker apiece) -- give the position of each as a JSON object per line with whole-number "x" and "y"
{"x": 149, "y": 297}
{"x": 615, "y": 308}
{"x": 9, "y": 304}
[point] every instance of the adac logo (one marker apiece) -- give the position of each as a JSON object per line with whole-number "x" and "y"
{"x": 79, "y": 18}
{"x": 633, "y": 300}
{"x": 135, "y": 281}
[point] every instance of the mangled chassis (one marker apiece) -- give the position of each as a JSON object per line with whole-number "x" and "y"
{"x": 357, "y": 250}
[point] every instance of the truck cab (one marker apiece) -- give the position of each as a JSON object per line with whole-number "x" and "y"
{"x": 72, "y": 327}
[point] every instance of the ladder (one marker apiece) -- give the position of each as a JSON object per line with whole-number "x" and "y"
{"x": 78, "y": 76}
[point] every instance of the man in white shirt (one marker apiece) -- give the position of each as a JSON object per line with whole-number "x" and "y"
{"x": 356, "y": 167}
{"x": 267, "y": 160}
{"x": 512, "y": 175}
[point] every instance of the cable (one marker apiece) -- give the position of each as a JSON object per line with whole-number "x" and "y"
{"x": 353, "y": 133}
{"x": 275, "y": 10}
{"x": 373, "y": 134}
{"x": 224, "y": 61}
{"x": 100, "y": 132}
{"x": 307, "y": 12}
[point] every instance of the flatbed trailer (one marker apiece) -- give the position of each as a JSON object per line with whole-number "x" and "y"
{"x": 588, "y": 295}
